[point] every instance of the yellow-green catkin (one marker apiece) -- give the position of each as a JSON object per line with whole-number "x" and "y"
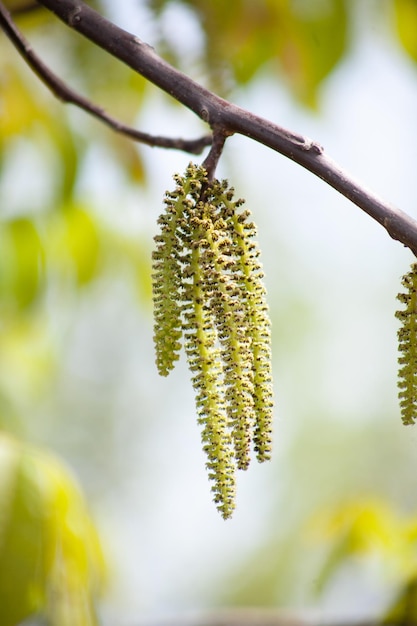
{"x": 166, "y": 284}
{"x": 407, "y": 345}
{"x": 206, "y": 264}
{"x": 258, "y": 325}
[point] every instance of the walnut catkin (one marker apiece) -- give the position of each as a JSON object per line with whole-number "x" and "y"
{"x": 208, "y": 292}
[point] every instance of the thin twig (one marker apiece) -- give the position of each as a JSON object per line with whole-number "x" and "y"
{"x": 66, "y": 94}
{"x": 220, "y": 113}
{"x": 212, "y": 159}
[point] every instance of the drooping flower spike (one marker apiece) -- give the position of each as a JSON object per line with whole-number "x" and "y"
{"x": 407, "y": 345}
{"x": 208, "y": 290}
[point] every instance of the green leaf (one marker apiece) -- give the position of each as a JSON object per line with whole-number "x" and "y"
{"x": 20, "y": 105}
{"x": 74, "y": 244}
{"x": 312, "y": 44}
{"x": 406, "y": 21}
{"x": 404, "y": 608}
{"x": 50, "y": 558}
{"x": 304, "y": 40}
{"x": 21, "y": 263}
{"x": 367, "y": 528}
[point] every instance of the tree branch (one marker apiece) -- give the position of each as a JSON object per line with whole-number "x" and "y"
{"x": 211, "y": 160}
{"x": 221, "y": 114}
{"x": 66, "y": 94}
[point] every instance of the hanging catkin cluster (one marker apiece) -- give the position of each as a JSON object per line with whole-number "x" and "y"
{"x": 208, "y": 290}
{"x": 407, "y": 339}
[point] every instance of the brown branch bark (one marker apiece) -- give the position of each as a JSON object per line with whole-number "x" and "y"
{"x": 63, "y": 92}
{"x": 229, "y": 118}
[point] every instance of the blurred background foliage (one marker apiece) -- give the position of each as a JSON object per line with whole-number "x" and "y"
{"x": 331, "y": 525}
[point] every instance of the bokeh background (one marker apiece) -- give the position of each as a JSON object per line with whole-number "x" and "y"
{"x": 330, "y": 524}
